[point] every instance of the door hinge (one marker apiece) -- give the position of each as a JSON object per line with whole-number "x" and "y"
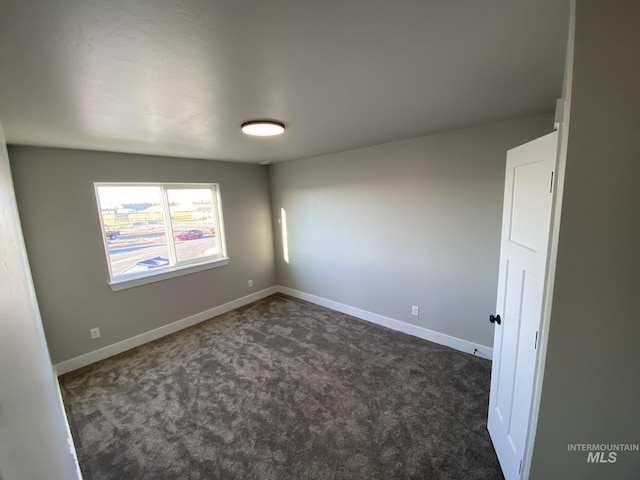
{"x": 520, "y": 469}
{"x": 551, "y": 186}
{"x": 535, "y": 344}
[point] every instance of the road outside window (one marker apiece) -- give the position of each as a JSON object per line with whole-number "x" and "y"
{"x": 150, "y": 229}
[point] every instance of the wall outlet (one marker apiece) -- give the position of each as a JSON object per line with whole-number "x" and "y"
{"x": 95, "y": 333}
{"x": 250, "y": 283}
{"x": 415, "y": 310}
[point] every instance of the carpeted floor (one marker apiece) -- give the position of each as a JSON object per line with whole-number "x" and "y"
{"x": 285, "y": 390}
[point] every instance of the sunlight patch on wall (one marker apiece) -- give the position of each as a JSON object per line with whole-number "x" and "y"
{"x": 285, "y": 239}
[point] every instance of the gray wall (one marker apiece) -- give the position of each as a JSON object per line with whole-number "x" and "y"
{"x": 33, "y": 430}
{"x": 415, "y": 222}
{"x": 591, "y": 389}
{"x": 57, "y": 205}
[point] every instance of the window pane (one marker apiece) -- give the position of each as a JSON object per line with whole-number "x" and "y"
{"x": 193, "y": 222}
{"x": 134, "y": 226}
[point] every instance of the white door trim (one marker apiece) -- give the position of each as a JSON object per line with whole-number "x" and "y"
{"x": 552, "y": 254}
{"x": 547, "y": 301}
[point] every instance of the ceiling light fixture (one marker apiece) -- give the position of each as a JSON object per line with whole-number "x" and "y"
{"x": 262, "y": 128}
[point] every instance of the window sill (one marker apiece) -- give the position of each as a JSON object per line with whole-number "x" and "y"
{"x": 144, "y": 279}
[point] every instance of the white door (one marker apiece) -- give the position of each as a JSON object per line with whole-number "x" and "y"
{"x": 526, "y": 220}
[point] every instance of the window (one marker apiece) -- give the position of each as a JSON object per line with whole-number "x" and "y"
{"x": 157, "y": 231}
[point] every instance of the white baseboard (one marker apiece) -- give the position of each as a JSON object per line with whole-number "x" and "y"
{"x": 119, "y": 347}
{"x": 421, "y": 332}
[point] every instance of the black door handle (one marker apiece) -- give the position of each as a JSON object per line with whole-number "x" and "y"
{"x": 495, "y": 319}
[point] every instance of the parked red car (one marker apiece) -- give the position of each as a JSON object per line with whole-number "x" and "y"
{"x": 189, "y": 234}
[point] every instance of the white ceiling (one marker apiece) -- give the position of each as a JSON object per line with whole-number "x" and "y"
{"x": 178, "y": 77}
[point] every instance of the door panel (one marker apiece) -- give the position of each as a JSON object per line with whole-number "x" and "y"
{"x": 523, "y": 258}
{"x": 526, "y": 216}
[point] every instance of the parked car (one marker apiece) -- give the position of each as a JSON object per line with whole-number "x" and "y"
{"x": 144, "y": 265}
{"x": 189, "y": 234}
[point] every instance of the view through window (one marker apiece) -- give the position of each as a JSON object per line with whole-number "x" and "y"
{"x": 152, "y": 228}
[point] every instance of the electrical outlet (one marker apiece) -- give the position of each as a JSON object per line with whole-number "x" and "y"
{"x": 415, "y": 310}
{"x": 95, "y": 333}
{"x": 250, "y": 283}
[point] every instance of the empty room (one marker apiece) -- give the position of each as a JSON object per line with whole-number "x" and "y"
{"x": 319, "y": 240}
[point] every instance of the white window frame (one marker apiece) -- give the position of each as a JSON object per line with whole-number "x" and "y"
{"x": 175, "y": 268}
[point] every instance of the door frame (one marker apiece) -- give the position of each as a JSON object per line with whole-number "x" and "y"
{"x": 562, "y": 122}
{"x": 562, "y": 126}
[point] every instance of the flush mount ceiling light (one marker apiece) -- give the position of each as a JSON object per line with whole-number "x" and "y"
{"x": 262, "y": 128}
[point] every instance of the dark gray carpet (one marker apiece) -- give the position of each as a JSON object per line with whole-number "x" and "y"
{"x": 283, "y": 389}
